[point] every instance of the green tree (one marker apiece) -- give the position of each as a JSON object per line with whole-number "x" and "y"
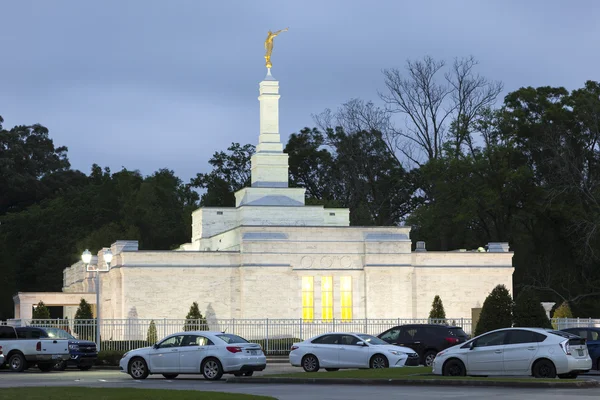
{"x": 152, "y": 337}
{"x": 496, "y": 312}
{"x": 84, "y": 325}
{"x": 563, "y": 311}
{"x": 437, "y": 309}
{"x": 41, "y": 311}
{"x": 528, "y": 311}
{"x": 194, "y": 321}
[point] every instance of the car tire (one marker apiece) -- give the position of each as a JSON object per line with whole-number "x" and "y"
{"x": 45, "y": 367}
{"x": 454, "y": 367}
{"x": 428, "y": 358}
{"x": 138, "y": 369}
{"x": 544, "y": 369}
{"x": 379, "y": 361}
{"x": 17, "y": 363}
{"x": 310, "y": 363}
{"x": 170, "y": 376}
{"x": 61, "y": 365}
{"x": 212, "y": 370}
{"x": 248, "y": 373}
{"x": 331, "y": 369}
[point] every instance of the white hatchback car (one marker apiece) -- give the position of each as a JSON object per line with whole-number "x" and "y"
{"x": 210, "y": 353}
{"x": 333, "y": 351}
{"x": 543, "y": 353}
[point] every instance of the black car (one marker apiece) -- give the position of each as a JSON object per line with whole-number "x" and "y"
{"x": 83, "y": 353}
{"x": 426, "y": 339}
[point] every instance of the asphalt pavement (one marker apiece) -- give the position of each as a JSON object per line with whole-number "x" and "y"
{"x": 112, "y": 378}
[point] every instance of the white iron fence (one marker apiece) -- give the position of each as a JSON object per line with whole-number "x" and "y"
{"x": 275, "y": 335}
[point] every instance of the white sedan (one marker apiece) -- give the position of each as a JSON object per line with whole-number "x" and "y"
{"x": 210, "y": 353}
{"x": 543, "y": 353}
{"x": 333, "y": 351}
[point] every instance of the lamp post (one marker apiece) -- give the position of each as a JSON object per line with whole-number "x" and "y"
{"x": 86, "y": 257}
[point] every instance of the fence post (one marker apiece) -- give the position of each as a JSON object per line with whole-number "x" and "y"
{"x": 267, "y": 342}
{"x": 301, "y": 337}
{"x": 589, "y": 322}
{"x": 333, "y": 320}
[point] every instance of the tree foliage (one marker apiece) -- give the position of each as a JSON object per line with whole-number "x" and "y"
{"x": 84, "y": 325}
{"x": 496, "y": 312}
{"x": 563, "y": 311}
{"x": 529, "y": 312}
{"x": 437, "y": 309}
{"x": 41, "y": 311}
{"x": 194, "y": 321}
{"x": 152, "y": 336}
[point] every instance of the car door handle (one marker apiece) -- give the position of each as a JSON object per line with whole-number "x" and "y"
{"x": 417, "y": 342}
{"x": 174, "y": 350}
{"x": 498, "y": 351}
{"x": 531, "y": 348}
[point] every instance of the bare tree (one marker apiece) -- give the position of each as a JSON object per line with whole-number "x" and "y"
{"x": 436, "y": 108}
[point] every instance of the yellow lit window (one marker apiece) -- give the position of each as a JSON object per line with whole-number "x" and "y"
{"x": 327, "y": 297}
{"x": 346, "y": 292}
{"x": 308, "y": 309}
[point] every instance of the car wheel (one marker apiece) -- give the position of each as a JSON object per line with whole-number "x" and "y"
{"x": 454, "y": 367}
{"x": 45, "y": 367}
{"x": 61, "y": 365}
{"x": 310, "y": 363}
{"x": 248, "y": 373}
{"x": 331, "y": 369}
{"x": 212, "y": 369}
{"x": 570, "y": 375}
{"x": 429, "y": 357}
{"x": 84, "y": 367}
{"x": 138, "y": 369}
{"x": 16, "y": 362}
{"x": 544, "y": 369}
{"x": 170, "y": 376}
{"x": 378, "y": 361}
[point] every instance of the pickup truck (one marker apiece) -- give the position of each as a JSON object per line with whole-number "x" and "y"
{"x": 21, "y": 354}
{"x": 83, "y": 353}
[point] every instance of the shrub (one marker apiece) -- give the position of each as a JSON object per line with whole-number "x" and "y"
{"x": 110, "y": 357}
{"x": 194, "y": 321}
{"x": 151, "y": 337}
{"x": 84, "y": 325}
{"x": 496, "y": 312}
{"x": 528, "y": 311}
{"x": 564, "y": 311}
{"x": 277, "y": 346}
{"x": 41, "y": 311}
{"x": 437, "y": 310}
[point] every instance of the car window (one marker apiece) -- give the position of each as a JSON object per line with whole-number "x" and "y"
{"x": 519, "y": 336}
{"x": 7, "y": 332}
{"x": 391, "y": 335}
{"x": 195, "y": 340}
{"x": 349, "y": 340}
{"x": 372, "y": 340}
{"x": 491, "y": 339}
{"x": 56, "y": 333}
{"x": 593, "y": 335}
{"x": 30, "y": 333}
{"x": 410, "y": 333}
{"x": 457, "y": 332}
{"x": 327, "y": 339}
{"x": 173, "y": 341}
{"x": 230, "y": 338}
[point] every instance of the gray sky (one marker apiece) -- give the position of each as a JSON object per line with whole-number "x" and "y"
{"x": 153, "y": 84}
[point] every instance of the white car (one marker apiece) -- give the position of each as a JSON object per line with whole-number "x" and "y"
{"x": 333, "y": 351}
{"x": 543, "y": 353}
{"x": 210, "y": 353}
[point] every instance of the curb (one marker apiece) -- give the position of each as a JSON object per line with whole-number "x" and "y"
{"x": 420, "y": 382}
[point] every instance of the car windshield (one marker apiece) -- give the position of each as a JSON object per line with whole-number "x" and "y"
{"x": 229, "y": 338}
{"x": 56, "y": 333}
{"x": 372, "y": 340}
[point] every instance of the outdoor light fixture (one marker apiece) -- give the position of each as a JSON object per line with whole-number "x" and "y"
{"x": 86, "y": 257}
{"x": 108, "y": 257}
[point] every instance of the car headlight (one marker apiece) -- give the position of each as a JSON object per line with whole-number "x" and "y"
{"x": 74, "y": 347}
{"x": 124, "y": 355}
{"x": 397, "y": 352}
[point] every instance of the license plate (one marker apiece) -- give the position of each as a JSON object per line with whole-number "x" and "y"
{"x": 580, "y": 351}
{"x": 55, "y": 356}
{"x": 253, "y": 352}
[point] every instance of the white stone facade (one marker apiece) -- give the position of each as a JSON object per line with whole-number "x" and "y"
{"x": 249, "y": 261}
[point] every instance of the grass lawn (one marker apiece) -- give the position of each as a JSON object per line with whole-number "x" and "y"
{"x": 404, "y": 373}
{"x": 71, "y": 393}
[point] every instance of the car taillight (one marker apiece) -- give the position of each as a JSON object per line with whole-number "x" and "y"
{"x": 38, "y": 346}
{"x": 451, "y": 340}
{"x": 293, "y": 348}
{"x": 565, "y": 347}
{"x": 234, "y": 349}
{"x": 0, "y": 349}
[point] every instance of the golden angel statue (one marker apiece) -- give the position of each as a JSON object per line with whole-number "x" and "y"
{"x": 269, "y": 45}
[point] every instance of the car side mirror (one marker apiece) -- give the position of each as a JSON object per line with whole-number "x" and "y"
{"x": 361, "y": 344}
{"x": 471, "y": 345}
{"x": 155, "y": 346}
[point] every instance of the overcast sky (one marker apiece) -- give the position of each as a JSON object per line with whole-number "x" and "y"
{"x": 148, "y": 84}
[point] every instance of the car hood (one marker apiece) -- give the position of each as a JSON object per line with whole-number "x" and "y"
{"x": 392, "y": 347}
{"x": 139, "y": 352}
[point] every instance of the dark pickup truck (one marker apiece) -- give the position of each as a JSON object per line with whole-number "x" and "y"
{"x": 82, "y": 353}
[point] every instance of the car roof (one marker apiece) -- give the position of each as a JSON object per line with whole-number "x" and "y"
{"x": 428, "y": 326}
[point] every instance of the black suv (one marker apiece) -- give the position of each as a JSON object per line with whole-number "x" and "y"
{"x": 426, "y": 339}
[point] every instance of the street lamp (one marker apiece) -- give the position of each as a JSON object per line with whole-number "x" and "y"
{"x": 86, "y": 257}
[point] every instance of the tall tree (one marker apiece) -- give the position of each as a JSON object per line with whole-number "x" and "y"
{"x": 437, "y": 309}
{"x": 528, "y": 311}
{"x": 496, "y": 312}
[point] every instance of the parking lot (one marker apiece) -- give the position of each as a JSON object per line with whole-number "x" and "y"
{"x": 114, "y": 378}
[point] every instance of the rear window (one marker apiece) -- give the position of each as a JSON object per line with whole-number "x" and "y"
{"x": 7, "y": 332}
{"x": 566, "y": 335}
{"x": 457, "y": 332}
{"x": 229, "y": 338}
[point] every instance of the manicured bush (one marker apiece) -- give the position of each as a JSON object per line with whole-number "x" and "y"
{"x": 194, "y": 321}
{"x": 496, "y": 312}
{"x": 529, "y": 312}
{"x": 437, "y": 310}
{"x": 41, "y": 311}
{"x": 563, "y": 311}
{"x": 109, "y": 357}
{"x": 151, "y": 337}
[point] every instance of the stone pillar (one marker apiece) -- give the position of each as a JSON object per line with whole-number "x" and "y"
{"x": 269, "y": 163}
